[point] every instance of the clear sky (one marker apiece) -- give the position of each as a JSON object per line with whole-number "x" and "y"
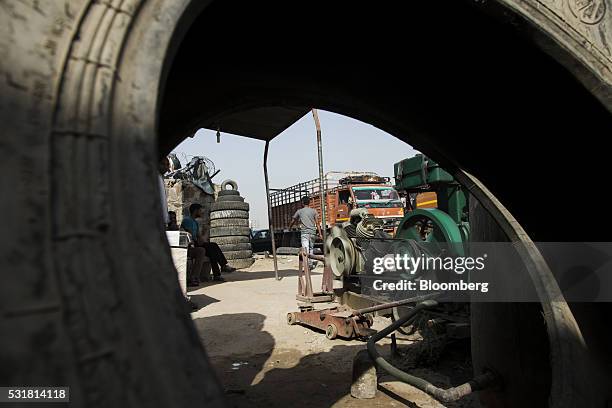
{"x": 348, "y": 144}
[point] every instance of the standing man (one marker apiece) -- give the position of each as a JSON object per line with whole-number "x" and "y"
{"x": 218, "y": 262}
{"x": 309, "y": 227}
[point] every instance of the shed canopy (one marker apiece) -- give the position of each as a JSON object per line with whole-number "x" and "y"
{"x": 258, "y": 123}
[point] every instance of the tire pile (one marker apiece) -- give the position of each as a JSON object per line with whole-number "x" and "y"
{"x": 229, "y": 226}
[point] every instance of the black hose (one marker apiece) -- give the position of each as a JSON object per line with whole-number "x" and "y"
{"x": 444, "y": 395}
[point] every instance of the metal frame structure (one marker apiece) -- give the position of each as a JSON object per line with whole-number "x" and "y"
{"x": 305, "y": 292}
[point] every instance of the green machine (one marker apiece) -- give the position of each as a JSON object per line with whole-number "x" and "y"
{"x": 446, "y": 224}
{"x": 432, "y": 231}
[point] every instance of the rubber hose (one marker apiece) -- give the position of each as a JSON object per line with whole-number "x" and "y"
{"x": 444, "y": 395}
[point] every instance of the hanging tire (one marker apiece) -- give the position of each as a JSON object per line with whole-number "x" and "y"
{"x": 238, "y": 254}
{"x": 225, "y": 198}
{"x": 229, "y": 205}
{"x": 229, "y": 222}
{"x": 241, "y": 263}
{"x": 230, "y": 231}
{"x": 215, "y": 215}
{"x": 230, "y": 240}
{"x": 229, "y": 182}
{"x": 228, "y": 193}
{"x": 245, "y": 246}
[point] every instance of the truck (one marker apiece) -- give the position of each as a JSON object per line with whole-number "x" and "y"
{"x": 344, "y": 191}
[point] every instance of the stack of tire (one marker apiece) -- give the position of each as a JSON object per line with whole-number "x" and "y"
{"x": 229, "y": 226}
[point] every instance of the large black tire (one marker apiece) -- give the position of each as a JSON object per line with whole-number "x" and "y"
{"x": 229, "y": 222}
{"x": 241, "y": 263}
{"x": 236, "y": 247}
{"x": 229, "y": 231}
{"x": 230, "y": 240}
{"x": 229, "y": 205}
{"x": 91, "y": 300}
{"x": 89, "y": 296}
{"x": 215, "y": 215}
{"x": 238, "y": 254}
{"x": 228, "y": 193}
{"x": 225, "y": 198}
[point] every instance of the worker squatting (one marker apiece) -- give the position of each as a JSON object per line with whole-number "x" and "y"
{"x": 428, "y": 286}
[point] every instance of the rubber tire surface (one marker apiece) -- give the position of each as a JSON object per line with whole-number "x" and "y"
{"x": 287, "y": 251}
{"x": 229, "y": 193}
{"x": 231, "y": 183}
{"x": 229, "y": 231}
{"x": 75, "y": 88}
{"x": 226, "y": 198}
{"x": 229, "y": 205}
{"x": 91, "y": 302}
{"x": 230, "y": 240}
{"x": 229, "y": 222}
{"x": 245, "y": 246}
{"x": 238, "y": 254}
{"x": 215, "y": 215}
{"x": 241, "y": 263}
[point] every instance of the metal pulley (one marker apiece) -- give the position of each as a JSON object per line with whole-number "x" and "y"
{"x": 435, "y": 229}
{"x": 341, "y": 254}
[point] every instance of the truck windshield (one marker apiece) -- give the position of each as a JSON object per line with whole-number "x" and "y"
{"x": 377, "y": 195}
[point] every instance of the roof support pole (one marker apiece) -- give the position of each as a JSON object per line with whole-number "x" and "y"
{"x": 270, "y": 225}
{"x": 315, "y": 115}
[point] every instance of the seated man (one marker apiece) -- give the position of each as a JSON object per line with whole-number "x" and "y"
{"x": 172, "y": 223}
{"x": 218, "y": 262}
{"x": 198, "y": 254}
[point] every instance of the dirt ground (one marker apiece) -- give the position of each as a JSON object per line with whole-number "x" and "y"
{"x": 262, "y": 361}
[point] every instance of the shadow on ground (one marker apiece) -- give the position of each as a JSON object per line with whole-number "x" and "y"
{"x": 255, "y": 373}
{"x": 202, "y": 300}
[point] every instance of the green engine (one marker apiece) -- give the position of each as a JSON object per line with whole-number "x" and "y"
{"x": 352, "y": 248}
{"x": 448, "y": 223}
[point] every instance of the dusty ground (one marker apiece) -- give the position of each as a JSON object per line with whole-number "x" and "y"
{"x": 262, "y": 361}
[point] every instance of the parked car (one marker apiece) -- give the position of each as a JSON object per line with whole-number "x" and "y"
{"x": 261, "y": 240}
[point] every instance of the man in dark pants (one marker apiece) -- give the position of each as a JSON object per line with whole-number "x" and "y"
{"x": 218, "y": 262}
{"x": 310, "y": 228}
{"x": 172, "y": 223}
{"x": 198, "y": 254}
